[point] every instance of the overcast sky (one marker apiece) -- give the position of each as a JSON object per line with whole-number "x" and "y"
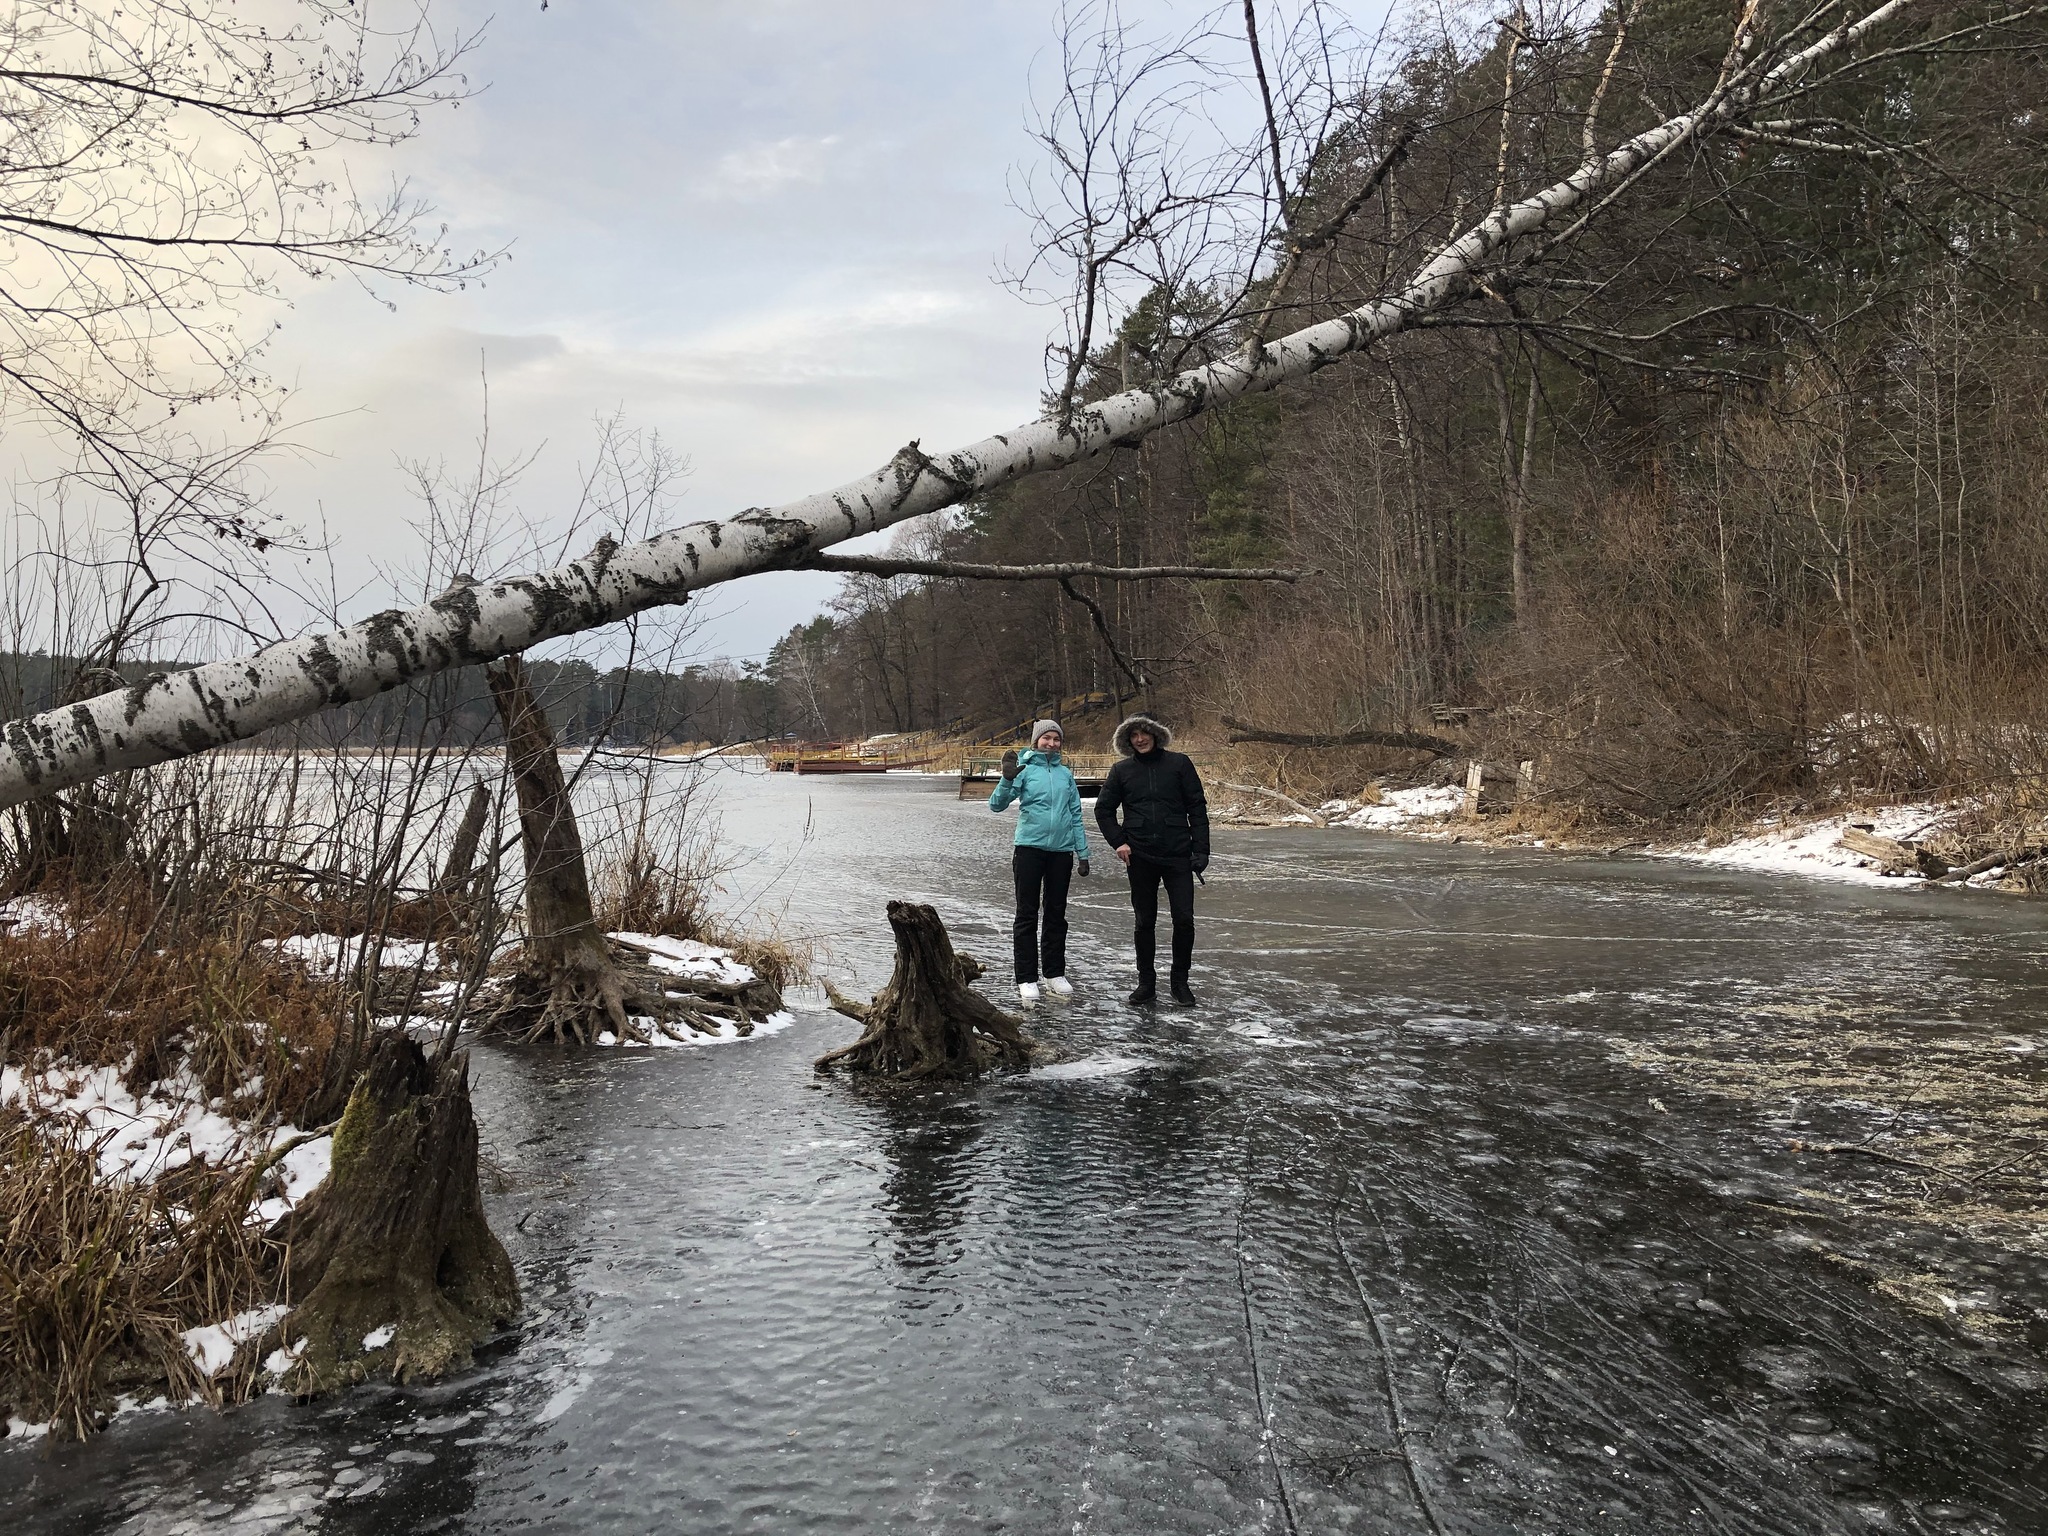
{"x": 768, "y": 229}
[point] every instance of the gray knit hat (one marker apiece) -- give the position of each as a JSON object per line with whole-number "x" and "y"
{"x": 1042, "y": 727}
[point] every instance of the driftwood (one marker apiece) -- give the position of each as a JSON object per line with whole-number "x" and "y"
{"x": 394, "y": 1247}
{"x": 1893, "y": 855}
{"x": 927, "y": 1023}
{"x": 1407, "y": 741}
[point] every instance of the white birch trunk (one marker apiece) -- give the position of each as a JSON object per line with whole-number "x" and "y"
{"x": 175, "y": 715}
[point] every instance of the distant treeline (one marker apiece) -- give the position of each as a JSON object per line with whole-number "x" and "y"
{"x": 715, "y": 703}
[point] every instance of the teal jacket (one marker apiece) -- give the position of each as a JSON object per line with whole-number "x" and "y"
{"x": 1051, "y": 814}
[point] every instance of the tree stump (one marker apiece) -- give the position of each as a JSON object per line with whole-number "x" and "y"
{"x": 390, "y": 1262}
{"x": 568, "y": 986}
{"x": 926, "y": 1023}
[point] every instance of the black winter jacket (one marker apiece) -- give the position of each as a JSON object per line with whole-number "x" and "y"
{"x": 1155, "y": 803}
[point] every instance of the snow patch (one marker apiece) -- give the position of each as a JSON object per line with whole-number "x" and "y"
{"x": 687, "y": 957}
{"x": 329, "y": 952}
{"x": 213, "y": 1347}
{"x": 1089, "y": 1067}
{"x": 727, "y": 1032}
{"x": 1814, "y": 848}
{"x": 33, "y": 914}
{"x": 377, "y": 1338}
{"x": 279, "y": 1361}
{"x": 1397, "y": 808}
{"x": 136, "y": 1138}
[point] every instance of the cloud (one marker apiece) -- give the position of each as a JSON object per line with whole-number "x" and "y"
{"x": 763, "y": 169}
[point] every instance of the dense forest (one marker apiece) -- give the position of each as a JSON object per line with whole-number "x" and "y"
{"x": 1741, "y": 493}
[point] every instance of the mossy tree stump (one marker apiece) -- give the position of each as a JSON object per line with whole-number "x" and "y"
{"x": 927, "y": 1022}
{"x": 390, "y": 1263}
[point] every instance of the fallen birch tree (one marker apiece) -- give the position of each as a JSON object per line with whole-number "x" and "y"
{"x": 167, "y": 716}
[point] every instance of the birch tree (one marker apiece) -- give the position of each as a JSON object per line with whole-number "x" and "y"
{"x": 1768, "y": 69}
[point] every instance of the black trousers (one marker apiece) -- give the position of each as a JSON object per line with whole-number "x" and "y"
{"x": 1042, "y": 878}
{"x": 1146, "y": 878}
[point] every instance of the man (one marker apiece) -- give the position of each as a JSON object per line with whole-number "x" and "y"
{"x": 1153, "y": 813}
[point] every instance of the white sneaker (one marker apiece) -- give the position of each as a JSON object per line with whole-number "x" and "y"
{"x": 1059, "y": 987}
{"x": 1027, "y": 993}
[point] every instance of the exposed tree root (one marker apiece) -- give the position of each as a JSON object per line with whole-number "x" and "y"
{"x": 395, "y": 1269}
{"x": 613, "y": 992}
{"x": 927, "y": 1023}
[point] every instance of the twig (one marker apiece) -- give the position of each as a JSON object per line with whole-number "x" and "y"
{"x": 1395, "y": 1415}
{"x": 1251, "y": 1344}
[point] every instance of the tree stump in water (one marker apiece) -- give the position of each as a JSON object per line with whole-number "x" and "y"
{"x": 567, "y": 986}
{"x": 926, "y": 1022}
{"x": 390, "y": 1262}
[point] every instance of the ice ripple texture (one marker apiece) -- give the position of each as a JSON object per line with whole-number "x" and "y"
{"x": 1440, "y": 1265}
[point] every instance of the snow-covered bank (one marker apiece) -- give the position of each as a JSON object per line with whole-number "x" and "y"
{"x": 1790, "y": 842}
{"x": 139, "y": 1137}
{"x": 1812, "y": 846}
{"x": 151, "y": 1147}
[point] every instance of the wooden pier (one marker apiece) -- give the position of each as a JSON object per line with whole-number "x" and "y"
{"x": 978, "y": 775}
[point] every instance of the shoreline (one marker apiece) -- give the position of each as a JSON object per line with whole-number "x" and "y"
{"x": 1799, "y": 841}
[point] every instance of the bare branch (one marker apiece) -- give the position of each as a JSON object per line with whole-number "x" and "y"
{"x": 889, "y": 565}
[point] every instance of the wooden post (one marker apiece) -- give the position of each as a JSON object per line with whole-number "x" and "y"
{"x": 1525, "y": 781}
{"x": 1475, "y": 780}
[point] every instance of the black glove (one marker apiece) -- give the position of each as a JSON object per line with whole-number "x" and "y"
{"x": 1084, "y": 867}
{"x": 1010, "y": 764}
{"x": 1201, "y": 862}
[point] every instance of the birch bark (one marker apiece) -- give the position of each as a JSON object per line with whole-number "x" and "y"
{"x": 175, "y": 715}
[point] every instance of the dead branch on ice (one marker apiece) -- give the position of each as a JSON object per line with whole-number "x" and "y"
{"x": 1273, "y": 794}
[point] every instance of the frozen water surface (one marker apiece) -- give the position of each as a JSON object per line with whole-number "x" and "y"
{"x": 1449, "y": 1262}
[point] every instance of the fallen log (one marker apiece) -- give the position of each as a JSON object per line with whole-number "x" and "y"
{"x": 2006, "y": 858}
{"x": 1893, "y": 855}
{"x": 927, "y": 1023}
{"x": 967, "y": 570}
{"x": 1407, "y": 741}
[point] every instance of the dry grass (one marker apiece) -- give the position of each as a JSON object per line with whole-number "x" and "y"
{"x": 98, "y": 1279}
{"x": 99, "y": 1276}
{"x": 658, "y": 872}
{"x": 122, "y": 985}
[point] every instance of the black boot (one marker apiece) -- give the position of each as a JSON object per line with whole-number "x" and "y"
{"x": 1182, "y": 993}
{"x": 1147, "y": 989}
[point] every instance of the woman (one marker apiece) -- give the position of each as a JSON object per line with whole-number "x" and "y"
{"x": 1051, "y": 837}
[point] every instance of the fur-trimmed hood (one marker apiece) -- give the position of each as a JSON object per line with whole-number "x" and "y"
{"x": 1122, "y": 739}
